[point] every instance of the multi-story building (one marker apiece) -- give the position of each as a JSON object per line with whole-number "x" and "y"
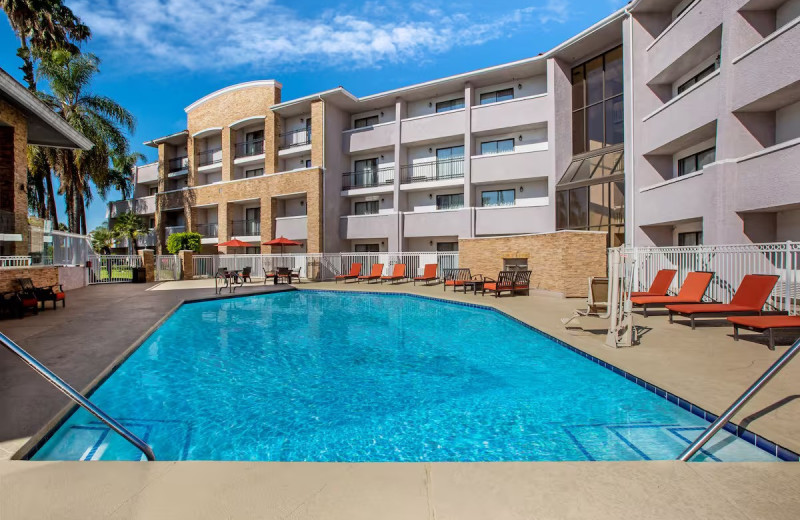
{"x": 669, "y": 122}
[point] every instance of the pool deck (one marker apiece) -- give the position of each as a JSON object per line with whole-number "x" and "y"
{"x": 705, "y": 367}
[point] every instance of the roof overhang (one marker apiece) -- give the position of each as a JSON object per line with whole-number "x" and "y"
{"x": 175, "y": 139}
{"x": 45, "y": 127}
{"x": 205, "y": 132}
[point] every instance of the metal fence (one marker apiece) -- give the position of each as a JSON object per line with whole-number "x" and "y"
{"x": 113, "y": 268}
{"x": 323, "y": 266}
{"x": 167, "y": 267}
{"x": 729, "y": 263}
{"x": 15, "y": 261}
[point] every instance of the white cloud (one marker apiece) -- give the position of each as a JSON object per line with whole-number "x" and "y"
{"x": 215, "y": 35}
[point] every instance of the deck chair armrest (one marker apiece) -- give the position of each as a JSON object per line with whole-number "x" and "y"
{"x": 487, "y": 279}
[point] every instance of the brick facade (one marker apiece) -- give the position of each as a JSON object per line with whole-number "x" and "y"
{"x": 560, "y": 262}
{"x": 41, "y": 276}
{"x": 14, "y": 174}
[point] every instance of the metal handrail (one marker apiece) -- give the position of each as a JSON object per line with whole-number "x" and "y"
{"x": 717, "y": 425}
{"x": 73, "y": 394}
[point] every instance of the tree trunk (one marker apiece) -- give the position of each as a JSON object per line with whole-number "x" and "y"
{"x": 27, "y": 68}
{"x": 51, "y": 197}
{"x": 81, "y": 207}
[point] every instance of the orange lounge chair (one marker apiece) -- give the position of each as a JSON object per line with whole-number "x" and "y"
{"x": 375, "y": 274}
{"x": 504, "y": 282}
{"x": 458, "y": 277}
{"x": 352, "y": 275}
{"x": 660, "y": 284}
{"x": 749, "y": 299}
{"x": 398, "y": 273}
{"x": 692, "y": 291}
{"x": 764, "y": 323}
{"x": 428, "y": 274}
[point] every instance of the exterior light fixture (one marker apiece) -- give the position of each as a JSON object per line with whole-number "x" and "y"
{"x": 430, "y": 104}
{"x": 430, "y": 195}
{"x": 520, "y": 138}
{"x": 430, "y": 150}
{"x": 519, "y": 86}
{"x": 431, "y": 242}
{"x": 381, "y": 114}
{"x": 381, "y": 157}
{"x": 521, "y": 189}
{"x": 302, "y": 202}
{"x": 301, "y": 161}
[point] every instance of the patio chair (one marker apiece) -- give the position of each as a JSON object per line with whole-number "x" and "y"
{"x": 246, "y": 274}
{"x": 295, "y": 274}
{"x": 660, "y": 284}
{"x": 596, "y": 300}
{"x": 748, "y": 299}
{"x": 692, "y": 291}
{"x": 374, "y": 274}
{"x": 522, "y": 282}
{"x": 428, "y": 274}
{"x": 355, "y": 269}
{"x": 15, "y": 304}
{"x": 54, "y": 293}
{"x": 457, "y": 277}
{"x": 764, "y": 323}
{"x": 398, "y": 273}
{"x": 504, "y": 282}
{"x": 267, "y": 274}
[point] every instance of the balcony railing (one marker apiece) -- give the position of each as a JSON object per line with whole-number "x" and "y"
{"x": 441, "y": 169}
{"x": 208, "y": 230}
{"x": 249, "y": 148}
{"x": 295, "y": 138}
{"x": 168, "y": 230}
{"x": 247, "y": 228}
{"x": 368, "y": 178}
{"x": 209, "y": 157}
{"x": 177, "y": 164}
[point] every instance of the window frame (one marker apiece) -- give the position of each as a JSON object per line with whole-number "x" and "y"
{"x": 484, "y": 99}
{"x": 366, "y": 121}
{"x": 496, "y": 142}
{"x": 366, "y": 248}
{"x": 697, "y": 235}
{"x": 695, "y": 157}
{"x": 694, "y": 80}
{"x": 441, "y": 197}
{"x": 498, "y": 192}
{"x": 449, "y": 247}
{"x": 368, "y": 204}
{"x": 442, "y": 106}
{"x": 246, "y": 176}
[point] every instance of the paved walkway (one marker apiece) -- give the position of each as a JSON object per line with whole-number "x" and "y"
{"x": 703, "y": 366}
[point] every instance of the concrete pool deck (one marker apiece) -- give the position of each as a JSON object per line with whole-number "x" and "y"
{"x": 704, "y": 366}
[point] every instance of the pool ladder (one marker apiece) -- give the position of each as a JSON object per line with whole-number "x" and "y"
{"x": 73, "y": 394}
{"x": 717, "y": 425}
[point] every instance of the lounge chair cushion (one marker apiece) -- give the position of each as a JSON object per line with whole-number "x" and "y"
{"x": 454, "y": 282}
{"x": 493, "y": 286}
{"x": 710, "y": 308}
{"x": 766, "y": 322}
{"x": 30, "y": 302}
{"x": 663, "y": 300}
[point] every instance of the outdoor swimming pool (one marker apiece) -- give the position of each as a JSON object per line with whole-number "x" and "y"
{"x": 330, "y": 376}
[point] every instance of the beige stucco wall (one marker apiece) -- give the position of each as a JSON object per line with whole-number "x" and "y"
{"x": 560, "y": 262}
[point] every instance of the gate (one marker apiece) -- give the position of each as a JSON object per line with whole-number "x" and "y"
{"x": 167, "y": 268}
{"x": 113, "y": 268}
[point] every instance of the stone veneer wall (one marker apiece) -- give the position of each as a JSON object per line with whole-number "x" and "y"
{"x": 13, "y": 185}
{"x": 560, "y": 262}
{"x": 41, "y": 277}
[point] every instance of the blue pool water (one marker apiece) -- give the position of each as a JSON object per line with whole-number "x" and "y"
{"x": 326, "y": 376}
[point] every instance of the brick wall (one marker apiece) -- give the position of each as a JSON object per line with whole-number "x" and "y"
{"x": 560, "y": 262}
{"x": 41, "y": 276}
{"x": 14, "y": 173}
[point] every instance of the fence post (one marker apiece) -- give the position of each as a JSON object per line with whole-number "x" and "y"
{"x": 186, "y": 258}
{"x": 149, "y": 264}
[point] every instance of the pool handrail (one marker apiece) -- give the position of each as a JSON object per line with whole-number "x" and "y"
{"x": 73, "y": 394}
{"x": 717, "y": 425}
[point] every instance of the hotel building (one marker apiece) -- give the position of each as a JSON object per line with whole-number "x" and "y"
{"x": 667, "y": 123}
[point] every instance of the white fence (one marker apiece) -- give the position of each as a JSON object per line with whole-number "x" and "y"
{"x": 167, "y": 268}
{"x": 729, "y": 263}
{"x": 323, "y": 266}
{"x": 15, "y": 261}
{"x": 113, "y": 268}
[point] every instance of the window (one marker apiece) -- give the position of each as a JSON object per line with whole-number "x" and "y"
{"x": 498, "y": 198}
{"x": 455, "y": 201}
{"x": 515, "y": 264}
{"x": 453, "y": 104}
{"x": 257, "y": 135}
{"x": 446, "y": 247}
{"x": 257, "y": 172}
{"x": 363, "y": 122}
{"x": 308, "y": 163}
{"x": 696, "y": 162}
{"x": 254, "y": 250}
{"x": 500, "y": 146}
{"x": 597, "y": 103}
{"x": 499, "y": 95}
{"x": 450, "y": 162}
{"x": 694, "y": 238}
{"x": 369, "y": 207}
{"x": 699, "y": 76}
{"x": 153, "y": 190}
{"x": 152, "y": 222}
{"x": 367, "y": 248}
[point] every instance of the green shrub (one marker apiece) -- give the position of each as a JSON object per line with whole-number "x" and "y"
{"x": 184, "y": 241}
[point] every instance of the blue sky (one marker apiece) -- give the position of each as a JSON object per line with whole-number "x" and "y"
{"x": 158, "y": 56}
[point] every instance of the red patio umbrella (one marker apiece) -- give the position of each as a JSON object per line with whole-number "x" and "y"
{"x": 282, "y": 241}
{"x": 234, "y": 243}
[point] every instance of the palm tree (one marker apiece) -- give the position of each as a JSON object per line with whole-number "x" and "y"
{"x": 131, "y": 226}
{"x": 101, "y": 119}
{"x": 102, "y": 240}
{"x": 121, "y": 174}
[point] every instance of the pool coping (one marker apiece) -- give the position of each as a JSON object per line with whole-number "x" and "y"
{"x": 46, "y": 432}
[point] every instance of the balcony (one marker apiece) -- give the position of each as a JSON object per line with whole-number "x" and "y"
{"x": 177, "y": 166}
{"x": 293, "y": 228}
{"x": 510, "y": 114}
{"x": 147, "y": 173}
{"x": 443, "y": 170}
{"x": 294, "y": 138}
{"x": 140, "y": 206}
{"x": 684, "y": 120}
{"x": 370, "y": 138}
{"x": 437, "y": 223}
{"x": 433, "y": 126}
{"x": 765, "y": 69}
{"x": 209, "y": 157}
{"x": 169, "y": 230}
{"x": 354, "y": 227}
{"x": 513, "y": 220}
{"x": 247, "y": 228}
{"x": 696, "y": 193}
{"x": 511, "y": 166}
{"x": 209, "y": 230}
{"x": 768, "y": 179}
{"x": 368, "y": 178}
{"x": 249, "y": 149}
